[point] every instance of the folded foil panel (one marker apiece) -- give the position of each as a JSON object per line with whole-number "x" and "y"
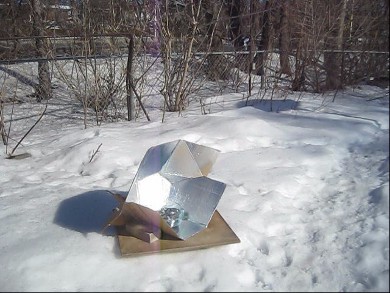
{"x": 171, "y": 180}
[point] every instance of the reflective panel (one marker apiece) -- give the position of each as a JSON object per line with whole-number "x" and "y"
{"x": 153, "y": 191}
{"x": 171, "y": 180}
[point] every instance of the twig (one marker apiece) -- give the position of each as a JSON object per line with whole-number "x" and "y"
{"x": 31, "y": 128}
{"x": 139, "y": 100}
{"x": 2, "y": 125}
{"x": 376, "y": 98}
{"x": 95, "y": 152}
{"x": 11, "y": 119}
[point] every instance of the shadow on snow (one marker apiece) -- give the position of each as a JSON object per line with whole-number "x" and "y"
{"x": 270, "y": 105}
{"x": 87, "y": 212}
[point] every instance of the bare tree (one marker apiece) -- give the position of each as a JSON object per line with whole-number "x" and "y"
{"x": 367, "y": 35}
{"x": 130, "y": 101}
{"x": 43, "y": 90}
{"x": 177, "y": 52}
{"x": 217, "y": 65}
{"x": 233, "y": 7}
{"x": 264, "y": 39}
{"x": 284, "y": 38}
{"x": 334, "y": 42}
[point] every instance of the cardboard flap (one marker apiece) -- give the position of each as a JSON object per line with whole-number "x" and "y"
{"x": 217, "y": 233}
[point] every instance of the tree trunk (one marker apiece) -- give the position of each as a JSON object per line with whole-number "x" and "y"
{"x": 332, "y": 60}
{"x": 43, "y": 90}
{"x": 129, "y": 81}
{"x": 284, "y": 39}
{"x": 217, "y": 65}
{"x": 75, "y": 14}
{"x": 234, "y": 14}
{"x": 264, "y": 40}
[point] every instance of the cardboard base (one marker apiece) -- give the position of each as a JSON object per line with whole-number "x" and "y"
{"x": 218, "y": 232}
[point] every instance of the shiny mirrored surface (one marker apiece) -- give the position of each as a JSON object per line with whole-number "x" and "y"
{"x": 171, "y": 179}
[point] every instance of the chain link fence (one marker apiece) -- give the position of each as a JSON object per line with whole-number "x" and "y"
{"x": 93, "y": 71}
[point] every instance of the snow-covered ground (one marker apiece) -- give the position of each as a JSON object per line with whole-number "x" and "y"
{"x": 307, "y": 194}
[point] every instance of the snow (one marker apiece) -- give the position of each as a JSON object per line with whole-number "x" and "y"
{"x": 307, "y": 194}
